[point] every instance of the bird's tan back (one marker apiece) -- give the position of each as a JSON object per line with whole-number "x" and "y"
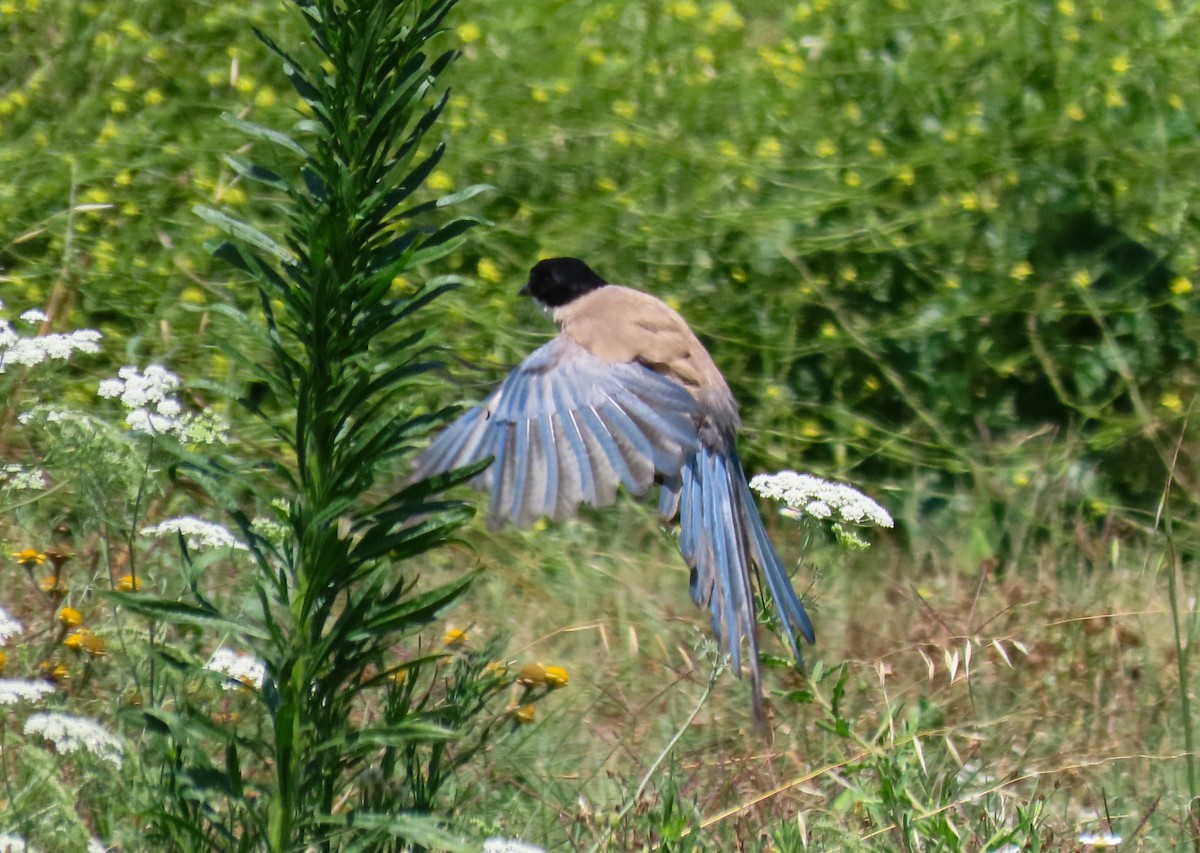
{"x": 620, "y": 324}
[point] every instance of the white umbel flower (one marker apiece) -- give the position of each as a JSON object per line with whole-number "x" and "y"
{"x": 821, "y": 499}
{"x": 200, "y": 535}
{"x": 243, "y": 670}
{"x": 153, "y": 409}
{"x": 9, "y": 627}
{"x": 15, "y": 844}
{"x": 510, "y": 845}
{"x": 75, "y": 734}
{"x": 15, "y": 690}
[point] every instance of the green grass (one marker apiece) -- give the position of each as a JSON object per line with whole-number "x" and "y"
{"x": 944, "y": 251}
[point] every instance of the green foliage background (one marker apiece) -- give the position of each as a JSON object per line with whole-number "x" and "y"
{"x": 914, "y": 234}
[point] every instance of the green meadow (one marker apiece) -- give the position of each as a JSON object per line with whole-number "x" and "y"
{"x": 945, "y": 252}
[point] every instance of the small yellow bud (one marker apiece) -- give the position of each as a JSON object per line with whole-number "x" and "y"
{"x": 556, "y": 677}
{"x": 526, "y": 714}
{"x": 531, "y": 674}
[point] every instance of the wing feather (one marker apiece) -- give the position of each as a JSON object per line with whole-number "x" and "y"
{"x": 565, "y": 428}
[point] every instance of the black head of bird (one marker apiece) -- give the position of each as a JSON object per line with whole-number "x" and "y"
{"x": 626, "y": 395}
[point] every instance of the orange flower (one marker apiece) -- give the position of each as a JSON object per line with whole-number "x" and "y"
{"x": 74, "y": 640}
{"x": 3, "y": 658}
{"x": 526, "y": 714}
{"x": 70, "y": 617}
{"x": 455, "y": 638}
{"x": 54, "y": 586}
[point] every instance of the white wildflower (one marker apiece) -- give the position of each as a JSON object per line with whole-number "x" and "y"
{"x": 74, "y": 734}
{"x": 1100, "y": 840}
{"x": 34, "y": 315}
{"x": 7, "y": 336}
{"x": 9, "y": 627}
{"x": 821, "y": 499}
{"x": 14, "y": 690}
{"x": 153, "y": 409}
{"x": 509, "y": 845}
{"x": 200, "y": 535}
{"x": 22, "y": 479}
{"x": 95, "y": 845}
{"x": 15, "y": 844}
{"x": 243, "y": 670}
{"x": 55, "y": 347}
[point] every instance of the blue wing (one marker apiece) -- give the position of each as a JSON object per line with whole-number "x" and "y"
{"x": 567, "y": 428}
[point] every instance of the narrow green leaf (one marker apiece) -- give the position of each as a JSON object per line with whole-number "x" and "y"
{"x": 241, "y": 230}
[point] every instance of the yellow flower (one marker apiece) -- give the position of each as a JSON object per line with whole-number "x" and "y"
{"x": 683, "y": 9}
{"x": 531, "y": 674}
{"x": 74, "y": 640}
{"x": 440, "y": 182}
{"x": 455, "y": 638}
{"x": 727, "y": 149}
{"x": 704, "y": 54}
{"x": 622, "y": 137}
{"x": 93, "y": 645}
{"x": 1171, "y": 401}
{"x": 399, "y": 676}
{"x": 3, "y": 658}
{"x": 497, "y": 668}
{"x": 70, "y": 617}
{"x": 1082, "y": 278}
{"x": 27, "y": 558}
{"x": 1066, "y": 8}
{"x": 265, "y": 97}
{"x": 1075, "y": 112}
{"x": 557, "y": 677}
{"x": 906, "y": 176}
{"x": 1120, "y": 64}
{"x": 625, "y": 109}
{"x": 852, "y": 179}
{"x": 607, "y": 185}
{"x": 469, "y": 32}
{"x": 829, "y": 331}
{"x": 1175, "y": 102}
{"x": 498, "y": 137}
{"x": 1021, "y": 270}
{"x": 53, "y": 586}
{"x": 53, "y": 672}
{"x": 826, "y": 148}
{"x": 540, "y": 95}
{"x": 876, "y": 147}
{"x": 769, "y": 148}
{"x": 526, "y": 714}
{"x": 128, "y": 583}
{"x": 1181, "y": 286}
{"x": 488, "y": 270}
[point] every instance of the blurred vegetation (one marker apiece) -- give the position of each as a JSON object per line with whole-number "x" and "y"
{"x": 943, "y": 249}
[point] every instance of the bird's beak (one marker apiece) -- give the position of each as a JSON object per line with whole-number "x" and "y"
{"x": 525, "y": 291}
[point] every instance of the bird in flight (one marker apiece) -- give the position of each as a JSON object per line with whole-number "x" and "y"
{"x": 627, "y": 395}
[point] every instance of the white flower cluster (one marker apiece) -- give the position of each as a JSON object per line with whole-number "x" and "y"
{"x": 821, "y": 499}
{"x": 58, "y": 346}
{"x": 509, "y": 845}
{"x": 200, "y": 535}
{"x": 15, "y": 844}
{"x": 21, "y": 479}
{"x": 74, "y": 734}
{"x": 9, "y": 627}
{"x": 243, "y": 670}
{"x": 14, "y": 690}
{"x": 154, "y": 409}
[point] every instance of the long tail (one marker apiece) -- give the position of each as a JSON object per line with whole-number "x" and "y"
{"x": 721, "y": 535}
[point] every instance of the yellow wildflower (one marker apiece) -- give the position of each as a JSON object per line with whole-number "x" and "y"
{"x": 128, "y": 583}
{"x": 1181, "y": 286}
{"x": 526, "y": 714}
{"x": 469, "y": 32}
{"x": 455, "y": 637}
{"x": 557, "y": 677}
{"x": 1120, "y": 63}
{"x": 1021, "y": 270}
{"x": 27, "y": 558}
{"x": 70, "y": 617}
{"x": 489, "y": 270}
{"x": 1171, "y": 401}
